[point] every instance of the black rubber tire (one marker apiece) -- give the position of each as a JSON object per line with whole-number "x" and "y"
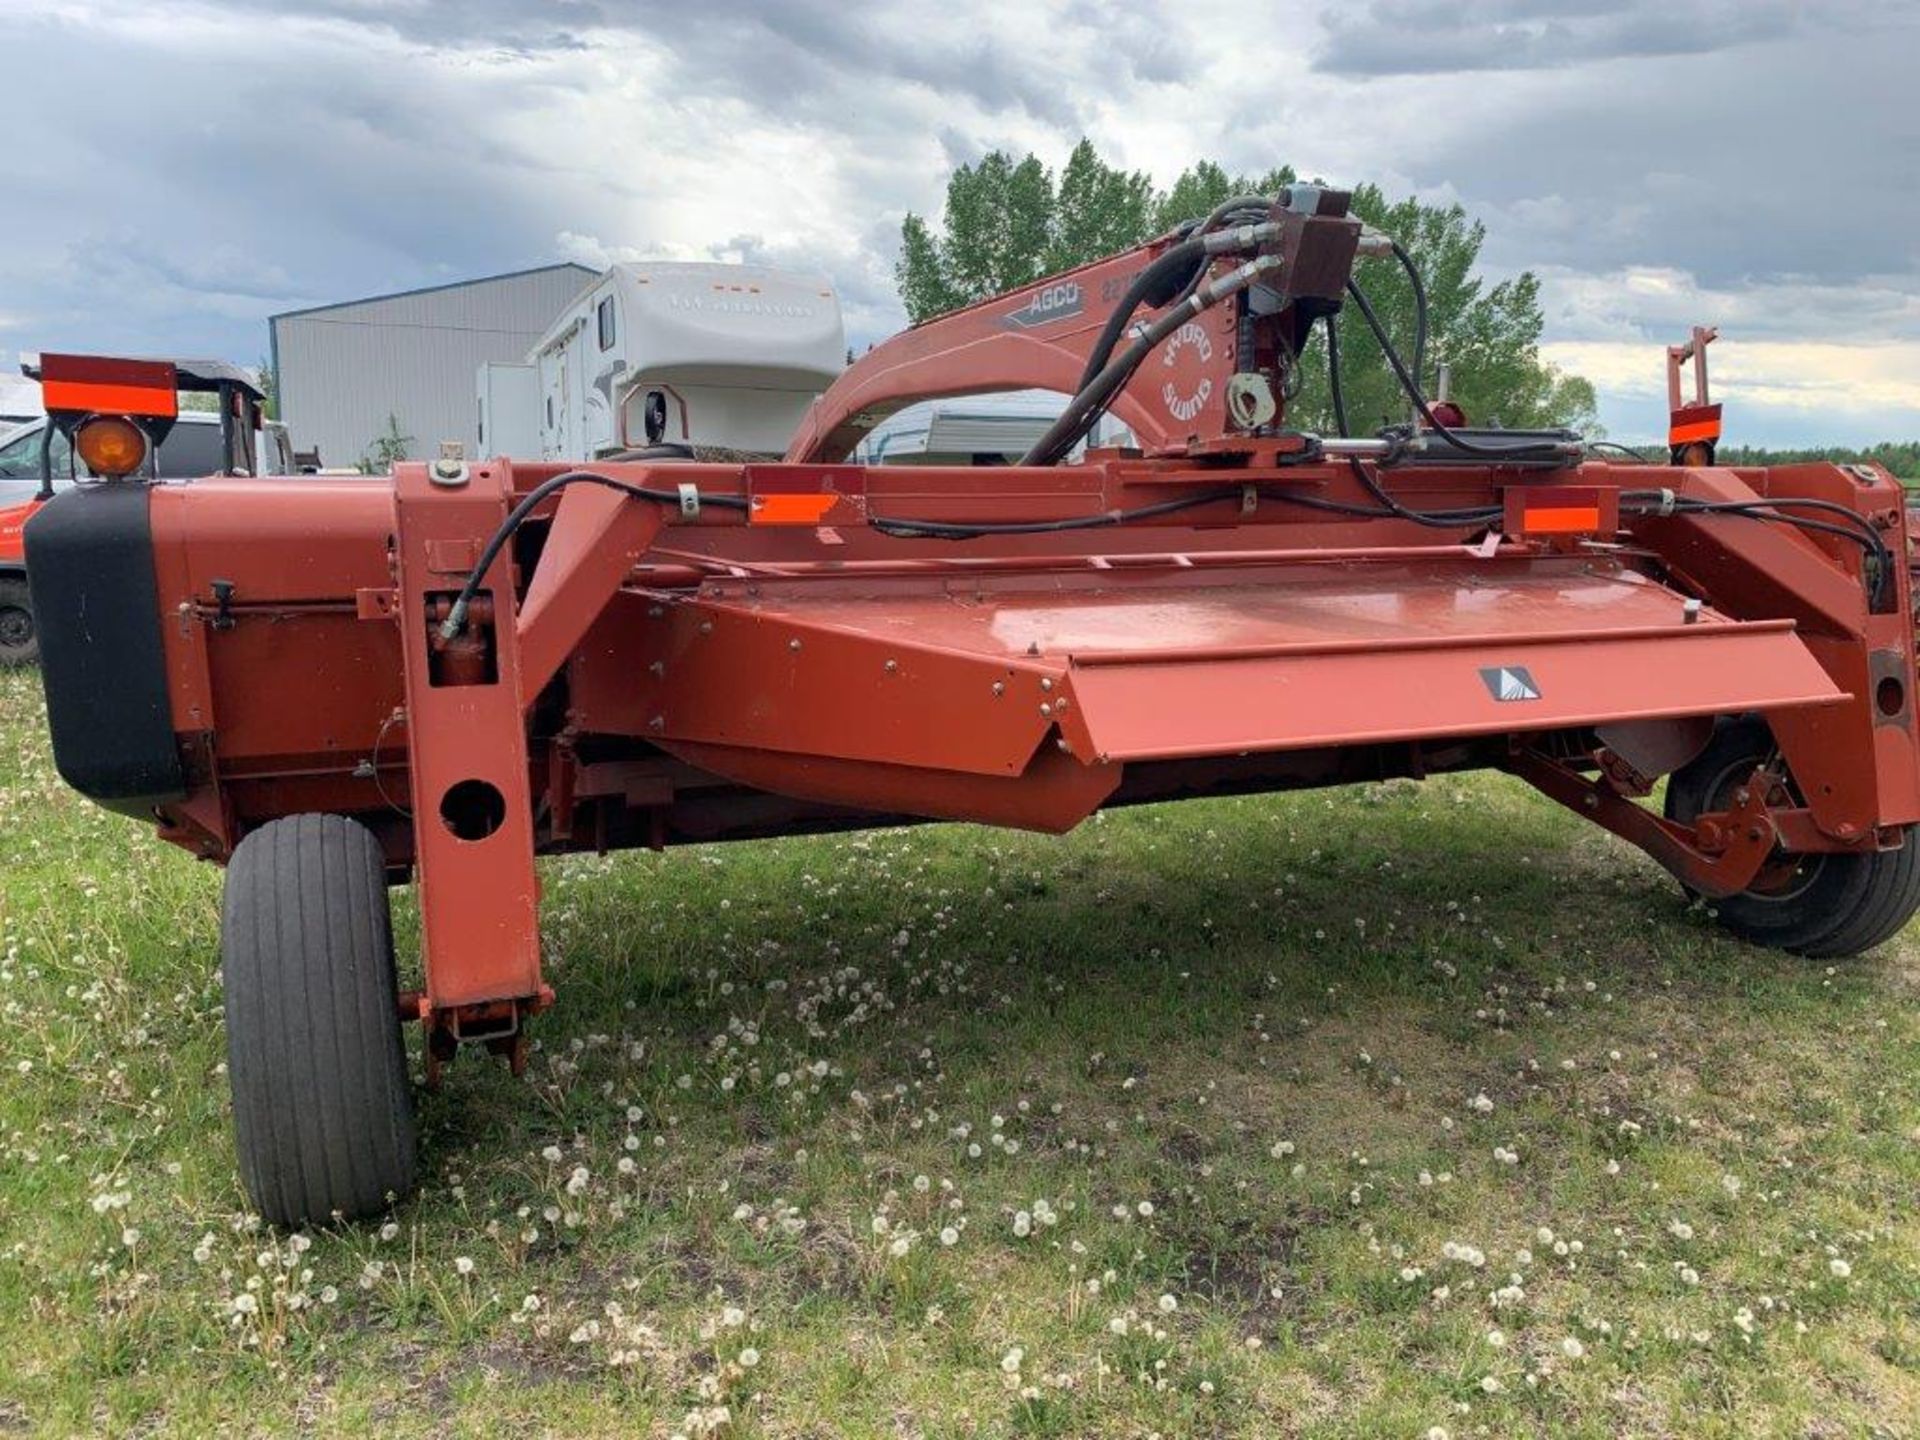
{"x": 19, "y": 637}
{"x": 1832, "y": 905}
{"x": 322, "y": 1110}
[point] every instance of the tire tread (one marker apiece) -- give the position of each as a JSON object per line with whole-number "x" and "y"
{"x": 323, "y": 1114}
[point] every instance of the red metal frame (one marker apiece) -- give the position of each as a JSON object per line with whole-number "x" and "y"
{"x": 1693, "y": 425}
{"x": 634, "y": 675}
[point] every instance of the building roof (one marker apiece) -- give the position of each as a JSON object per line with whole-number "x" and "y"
{"x": 19, "y": 396}
{"x": 583, "y": 270}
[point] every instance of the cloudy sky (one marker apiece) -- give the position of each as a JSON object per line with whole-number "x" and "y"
{"x": 178, "y": 170}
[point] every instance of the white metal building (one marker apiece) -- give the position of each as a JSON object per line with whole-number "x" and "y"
{"x": 342, "y": 369}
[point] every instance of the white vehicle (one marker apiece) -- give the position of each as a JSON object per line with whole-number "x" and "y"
{"x": 191, "y": 449}
{"x": 989, "y": 429}
{"x": 698, "y": 356}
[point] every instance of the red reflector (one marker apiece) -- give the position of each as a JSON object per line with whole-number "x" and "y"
{"x": 791, "y": 509}
{"x": 1561, "y": 510}
{"x": 1562, "y": 519}
{"x": 806, "y": 494}
{"x": 95, "y": 399}
{"x": 1693, "y": 422}
{"x": 1699, "y": 430}
{"x": 101, "y": 385}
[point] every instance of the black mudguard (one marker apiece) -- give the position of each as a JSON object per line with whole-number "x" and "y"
{"x": 96, "y": 607}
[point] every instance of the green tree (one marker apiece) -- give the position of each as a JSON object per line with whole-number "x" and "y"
{"x": 269, "y": 389}
{"x": 1008, "y": 223}
{"x": 1099, "y": 210}
{"x": 1489, "y": 336}
{"x": 998, "y": 233}
{"x": 1204, "y": 185}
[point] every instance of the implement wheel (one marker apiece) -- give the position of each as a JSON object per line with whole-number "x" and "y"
{"x": 19, "y": 641}
{"x": 322, "y": 1112}
{"x": 1821, "y": 906}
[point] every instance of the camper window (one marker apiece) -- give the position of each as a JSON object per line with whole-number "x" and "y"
{"x": 606, "y": 323}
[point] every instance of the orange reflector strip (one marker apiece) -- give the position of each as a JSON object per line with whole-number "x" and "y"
{"x": 791, "y": 509}
{"x": 100, "y": 397}
{"x": 1698, "y": 430}
{"x": 1562, "y": 519}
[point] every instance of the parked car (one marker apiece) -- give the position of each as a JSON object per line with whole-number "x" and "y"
{"x": 191, "y": 448}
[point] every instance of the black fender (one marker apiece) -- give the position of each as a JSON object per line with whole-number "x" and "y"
{"x": 96, "y": 609}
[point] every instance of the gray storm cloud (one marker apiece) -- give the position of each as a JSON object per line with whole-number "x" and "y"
{"x": 1753, "y": 160}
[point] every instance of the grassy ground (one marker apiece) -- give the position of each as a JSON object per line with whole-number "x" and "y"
{"x": 1383, "y": 1112}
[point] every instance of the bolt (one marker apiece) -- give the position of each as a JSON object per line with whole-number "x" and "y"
{"x": 706, "y": 627}
{"x": 658, "y": 667}
{"x": 1590, "y": 800}
{"x": 1741, "y": 796}
{"x": 794, "y": 644}
{"x": 1046, "y": 683}
{"x": 1754, "y": 832}
{"x": 999, "y": 687}
{"x": 658, "y": 722}
{"x": 892, "y": 666}
{"x": 1045, "y": 709}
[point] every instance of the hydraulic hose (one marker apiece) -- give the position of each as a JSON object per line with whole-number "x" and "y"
{"x": 456, "y": 620}
{"x": 1419, "y": 310}
{"x": 1085, "y": 407}
{"x": 1533, "y": 450}
{"x": 1166, "y": 276}
{"x": 1334, "y": 391}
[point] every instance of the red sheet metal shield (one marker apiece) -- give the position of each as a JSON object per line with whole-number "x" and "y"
{"x": 1127, "y": 665}
{"x": 1352, "y": 660}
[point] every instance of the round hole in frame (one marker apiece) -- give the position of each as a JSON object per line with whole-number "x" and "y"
{"x": 473, "y": 809}
{"x": 1890, "y": 696}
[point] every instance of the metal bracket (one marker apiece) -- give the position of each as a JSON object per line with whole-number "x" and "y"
{"x": 1741, "y": 839}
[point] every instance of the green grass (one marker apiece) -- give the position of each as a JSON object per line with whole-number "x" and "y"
{"x": 1234, "y": 1047}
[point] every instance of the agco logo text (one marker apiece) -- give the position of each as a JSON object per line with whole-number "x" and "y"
{"x": 1047, "y": 304}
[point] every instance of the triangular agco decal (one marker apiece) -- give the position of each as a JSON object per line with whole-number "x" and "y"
{"x": 1508, "y": 683}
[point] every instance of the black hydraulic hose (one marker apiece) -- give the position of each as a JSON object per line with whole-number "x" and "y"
{"x": 1437, "y": 520}
{"x": 1627, "y": 450}
{"x": 962, "y": 530}
{"x": 1086, "y": 406}
{"x": 1412, "y": 388}
{"x": 1419, "y": 310}
{"x": 1166, "y": 267}
{"x": 1857, "y": 528}
{"x": 457, "y": 617}
{"x": 1170, "y": 264}
{"x": 1333, "y": 376}
{"x": 1218, "y": 216}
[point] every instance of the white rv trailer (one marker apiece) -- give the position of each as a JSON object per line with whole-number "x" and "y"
{"x": 659, "y": 353}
